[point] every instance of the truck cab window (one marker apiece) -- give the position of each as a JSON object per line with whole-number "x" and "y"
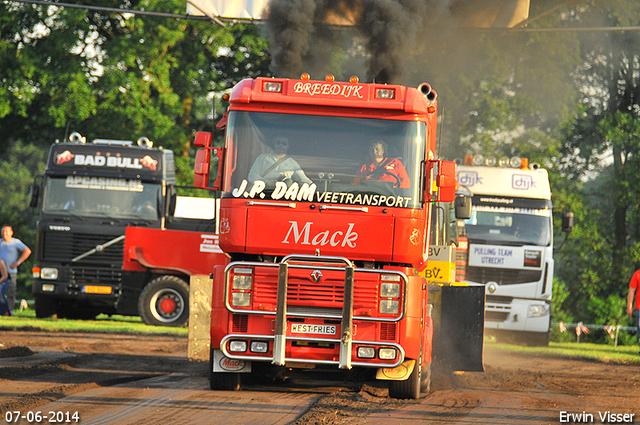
{"x": 101, "y": 197}
{"x": 514, "y": 226}
{"x": 323, "y": 159}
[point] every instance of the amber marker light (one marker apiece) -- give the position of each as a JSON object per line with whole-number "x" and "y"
{"x": 305, "y": 77}
{"x": 354, "y": 79}
{"x": 330, "y": 78}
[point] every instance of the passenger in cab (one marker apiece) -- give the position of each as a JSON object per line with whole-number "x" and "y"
{"x": 383, "y": 168}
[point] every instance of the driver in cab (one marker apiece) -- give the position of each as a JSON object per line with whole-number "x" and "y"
{"x": 277, "y": 166}
{"x": 383, "y": 168}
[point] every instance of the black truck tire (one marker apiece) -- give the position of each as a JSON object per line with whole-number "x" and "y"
{"x": 425, "y": 384}
{"x": 409, "y": 388}
{"x": 45, "y": 307}
{"x": 165, "y": 302}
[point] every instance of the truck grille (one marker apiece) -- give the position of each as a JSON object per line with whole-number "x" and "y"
{"x": 94, "y": 275}
{"x": 387, "y": 331}
{"x": 502, "y": 276}
{"x": 497, "y": 308}
{"x": 62, "y": 247}
{"x": 326, "y": 295}
{"x": 496, "y": 316}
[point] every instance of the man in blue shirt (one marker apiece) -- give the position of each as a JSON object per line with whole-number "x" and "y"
{"x": 13, "y": 251}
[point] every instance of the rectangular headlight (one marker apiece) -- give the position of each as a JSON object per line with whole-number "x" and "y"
{"x": 48, "y": 273}
{"x": 389, "y": 306}
{"x": 47, "y": 287}
{"x": 272, "y": 86}
{"x": 241, "y": 299}
{"x": 366, "y": 352}
{"x": 242, "y": 281}
{"x": 385, "y": 93}
{"x": 259, "y": 346}
{"x": 238, "y": 346}
{"x": 389, "y": 290}
{"x": 538, "y": 310}
{"x": 387, "y": 353}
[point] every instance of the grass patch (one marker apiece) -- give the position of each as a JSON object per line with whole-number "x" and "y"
{"x": 623, "y": 354}
{"x": 26, "y": 319}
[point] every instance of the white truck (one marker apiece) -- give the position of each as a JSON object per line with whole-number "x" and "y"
{"x": 510, "y": 235}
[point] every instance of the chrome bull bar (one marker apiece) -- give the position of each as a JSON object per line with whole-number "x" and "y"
{"x": 347, "y": 318}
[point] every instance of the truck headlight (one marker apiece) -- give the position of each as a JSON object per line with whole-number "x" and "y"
{"x": 242, "y": 279}
{"x": 259, "y": 346}
{"x": 238, "y": 346}
{"x": 366, "y": 352}
{"x": 387, "y": 353}
{"x": 241, "y": 299}
{"x": 389, "y": 306}
{"x": 538, "y": 310}
{"x": 48, "y": 273}
{"x": 242, "y": 282}
{"x": 390, "y": 290}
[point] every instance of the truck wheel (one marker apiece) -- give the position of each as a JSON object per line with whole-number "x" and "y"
{"x": 165, "y": 302}
{"x": 45, "y": 307}
{"x": 425, "y": 384}
{"x": 222, "y": 381}
{"x": 409, "y": 388}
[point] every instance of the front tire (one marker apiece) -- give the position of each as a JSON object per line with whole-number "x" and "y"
{"x": 45, "y": 307}
{"x": 165, "y": 302}
{"x": 411, "y": 387}
{"x": 425, "y": 384}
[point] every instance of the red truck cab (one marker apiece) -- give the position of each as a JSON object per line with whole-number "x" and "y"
{"x": 325, "y": 243}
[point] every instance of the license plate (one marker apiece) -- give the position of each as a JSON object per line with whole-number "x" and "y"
{"x": 303, "y": 328}
{"x": 94, "y": 289}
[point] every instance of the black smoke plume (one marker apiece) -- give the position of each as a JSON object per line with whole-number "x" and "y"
{"x": 306, "y": 34}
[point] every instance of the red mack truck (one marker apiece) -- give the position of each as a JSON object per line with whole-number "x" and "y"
{"x": 326, "y": 196}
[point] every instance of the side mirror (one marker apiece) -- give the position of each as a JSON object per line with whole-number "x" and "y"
{"x": 462, "y": 206}
{"x": 445, "y": 181}
{"x": 567, "y": 221}
{"x": 202, "y": 167}
{"x": 34, "y": 195}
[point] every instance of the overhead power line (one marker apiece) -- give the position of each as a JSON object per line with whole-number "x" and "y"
{"x": 217, "y": 20}
{"x": 221, "y": 21}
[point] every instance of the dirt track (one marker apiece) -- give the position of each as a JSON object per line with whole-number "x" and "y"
{"x": 40, "y": 368}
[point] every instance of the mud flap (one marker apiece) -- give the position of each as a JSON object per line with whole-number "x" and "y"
{"x": 459, "y": 335}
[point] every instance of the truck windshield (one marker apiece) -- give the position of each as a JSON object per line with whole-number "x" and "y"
{"x": 116, "y": 198}
{"x": 517, "y": 226}
{"x": 325, "y": 159}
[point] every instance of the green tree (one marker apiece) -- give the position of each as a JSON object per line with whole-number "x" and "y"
{"x": 117, "y": 75}
{"x": 108, "y": 75}
{"x": 599, "y": 157}
{"x": 500, "y": 91}
{"x": 18, "y": 167}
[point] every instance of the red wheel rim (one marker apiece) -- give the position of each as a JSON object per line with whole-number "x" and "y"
{"x": 168, "y": 305}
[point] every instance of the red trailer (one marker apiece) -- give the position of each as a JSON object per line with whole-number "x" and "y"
{"x": 325, "y": 213}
